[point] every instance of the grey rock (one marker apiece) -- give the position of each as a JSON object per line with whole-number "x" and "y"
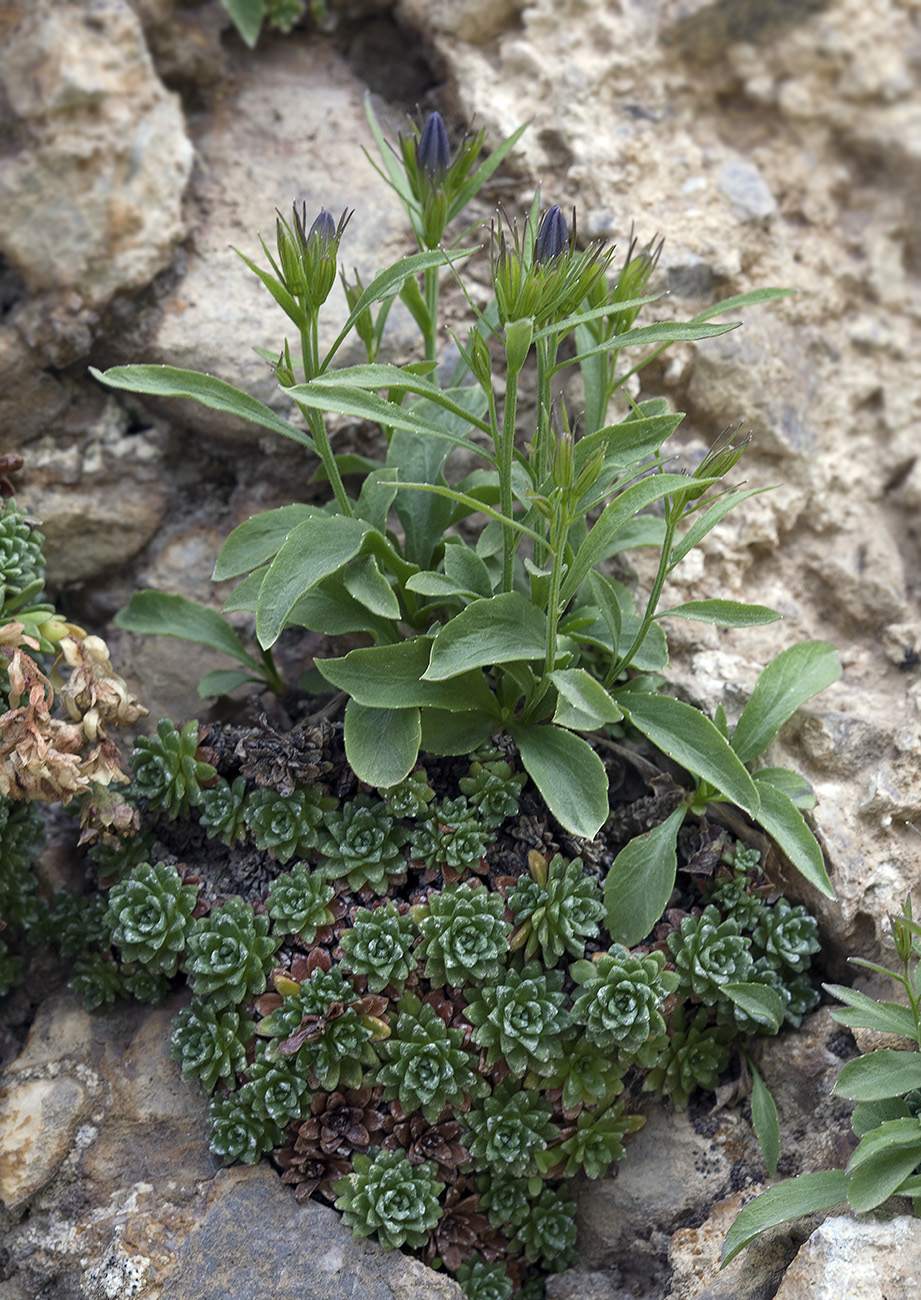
{"x": 881, "y": 1261}
{"x": 746, "y": 189}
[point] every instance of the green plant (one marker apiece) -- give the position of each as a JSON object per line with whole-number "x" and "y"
{"x": 555, "y": 910}
{"x": 694, "y": 1056}
{"x": 886, "y": 1120}
{"x": 299, "y": 903}
{"x": 549, "y": 1232}
{"x": 379, "y": 946}
{"x": 621, "y": 998}
{"x": 709, "y": 953}
{"x": 284, "y": 824}
{"x": 464, "y": 938}
{"x": 150, "y": 917}
{"x": 425, "y": 1064}
{"x": 363, "y": 843}
{"x": 598, "y": 1140}
{"x": 493, "y": 789}
{"x": 508, "y": 1128}
{"x": 521, "y": 1020}
{"x": 237, "y": 1132}
{"x": 585, "y": 1074}
{"x": 167, "y": 772}
{"x": 482, "y": 1281}
{"x": 276, "y": 1088}
{"x": 387, "y": 1195}
{"x": 788, "y": 936}
{"x": 209, "y": 1044}
{"x": 223, "y": 811}
{"x": 228, "y": 953}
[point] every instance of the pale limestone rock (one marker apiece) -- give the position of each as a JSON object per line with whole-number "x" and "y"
{"x": 880, "y": 1260}
{"x": 38, "y": 1120}
{"x": 474, "y": 21}
{"x": 92, "y": 199}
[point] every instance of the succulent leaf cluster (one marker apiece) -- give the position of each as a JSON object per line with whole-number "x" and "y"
{"x": 322, "y": 1024}
{"x": 695, "y": 1055}
{"x": 598, "y": 1140}
{"x": 229, "y": 952}
{"x": 494, "y": 790}
{"x": 298, "y": 903}
{"x": 284, "y": 825}
{"x": 387, "y": 1195}
{"x": 509, "y": 1127}
{"x": 364, "y": 843}
{"x": 557, "y": 908}
{"x": 464, "y": 936}
{"x": 22, "y": 561}
{"x": 709, "y": 952}
{"x": 210, "y": 1044}
{"x": 167, "y": 772}
{"x": 237, "y": 1131}
{"x": 425, "y": 1065}
{"x": 380, "y": 946}
{"x": 521, "y": 1020}
{"x": 549, "y": 1231}
{"x": 149, "y": 917}
{"x": 622, "y": 998}
{"x": 223, "y": 810}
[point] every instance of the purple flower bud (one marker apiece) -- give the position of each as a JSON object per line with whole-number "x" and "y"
{"x": 433, "y": 152}
{"x": 323, "y": 229}
{"x": 552, "y": 237}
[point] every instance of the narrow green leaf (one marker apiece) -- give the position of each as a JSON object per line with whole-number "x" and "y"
{"x": 438, "y": 585}
{"x": 381, "y": 745}
{"x": 392, "y": 677}
{"x": 664, "y": 332}
{"x": 475, "y": 182}
{"x": 376, "y": 375}
{"x": 313, "y": 550}
{"x": 893, "y": 1133}
{"x": 582, "y": 702}
{"x": 866, "y": 1013}
{"x": 448, "y": 734}
{"x": 790, "y": 1200}
{"x": 246, "y": 593}
{"x": 750, "y": 299}
{"x": 692, "y": 740}
{"x": 604, "y": 593}
{"x": 724, "y": 613}
{"x": 784, "y": 822}
{"x": 364, "y": 580}
{"x": 628, "y": 442}
{"x": 765, "y": 1120}
{"x": 763, "y": 1004}
{"x": 488, "y": 632}
{"x": 640, "y": 882}
{"x": 169, "y": 381}
{"x": 875, "y": 1180}
{"x": 868, "y": 1115}
{"x": 155, "y": 613}
{"x": 717, "y": 511}
{"x": 289, "y": 305}
{"x": 246, "y": 16}
{"x": 259, "y": 539}
{"x": 878, "y": 1075}
{"x": 567, "y": 323}
{"x": 787, "y": 682}
{"x": 569, "y": 775}
{"x": 222, "y": 682}
{"x": 793, "y": 784}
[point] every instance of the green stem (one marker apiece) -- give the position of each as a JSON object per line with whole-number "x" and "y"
{"x": 671, "y": 523}
{"x": 431, "y": 303}
{"x": 558, "y": 531}
{"x": 506, "y": 457}
{"x": 541, "y": 446}
{"x": 310, "y": 354}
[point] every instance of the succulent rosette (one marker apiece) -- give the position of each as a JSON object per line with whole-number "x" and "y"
{"x": 209, "y": 1044}
{"x": 167, "y": 771}
{"x": 709, "y": 952}
{"x": 425, "y": 1064}
{"x": 149, "y": 916}
{"x": 556, "y": 908}
{"x": 622, "y": 997}
{"x": 508, "y": 1128}
{"x": 387, "y": 1195}
{"x": 229, "y": 952}
{"x": 464, "y": 936}
{"x": 364, "y": 843}
{"x": 521, "y": 1020}
{"x": 380, "y": 946}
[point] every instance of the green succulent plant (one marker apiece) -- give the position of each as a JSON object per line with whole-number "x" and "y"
{"x": 22, "y": 562}
{"x": 166, "y": 772}
{"x": 508, "y": 1128}
{"x": 299, "y": 903}
{"x": 622, "y": 998}
{"x": 385, "y": 1194}
{"x": 117, "y": 857}
{"x": 597, "y": 1142}
{"x": 364, "y": 843}
{"x": 223, "y": 811}
{"x": 482, "y": 1281}
{"x": 277, "y": 1090}
{"x": 77, "y": 922}
{"x": 237, "y": 1132}
{"x": 380, "y": 946}
{"x": 465, "y": 835}
{"x": 229, "y": 952}
{"x": 145, "y": 985}
{"x": 709, "y": 952}
{"x": 506, "y": 1200}
{"x": 556, "y": 908}
{"x": 549, "y": 1232}
{"x": 424, "y": 1063}
{"x": 22, "y": 834}
{"x": 804, "y": 997}
{"x": 695, "y": 1056}
{"x": 493, "y": 789}
{"x": 464, "y": 938}
{"x": 787, "y": 935}
{"x": 149, "y": 917}
{"x": 521, "y": 1020}
{"x": 733, "y": 899}
{"x": 585, "y": 1073}
{"x": 285, "y": 825}
{"x": 209, "y": 1044}
{"x": 98, "y": 979}
{"x": 320, "y": 1024}
{"x": 409, "y": 797}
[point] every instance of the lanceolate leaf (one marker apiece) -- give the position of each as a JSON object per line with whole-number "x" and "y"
{"x": 764, "y": 1119}
{"x": 784, "y": 822}
{"x": 487, "y": 632}
{"x": 568, "y": 773}
{"x": 788, "y": 681}
{"x": 640, "y": 882}
{"x": 709, "y": 519}
{"x": 790, "y": 1200}
{"x": 665, "y": 332}
{"x": 314, "y": 549}
{"x": 391, "y": 677}
{"x": 724, "y": 613}
{"x": 157, "y": 613}
{"x": 582, "y": 703}
{"x": 879, "y": 1074}
{"x": 878, "y": 1178}
{"x": 381, "y": 745}
{"x": 259, "y": 539}
{"x": 169, "y": 381}
{"x": 692, "y": 740}
{"x": 763, "y": 1004}
{"x": 861, "y": 1012}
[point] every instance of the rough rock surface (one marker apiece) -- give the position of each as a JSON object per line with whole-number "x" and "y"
{"x": 771, "y": 144}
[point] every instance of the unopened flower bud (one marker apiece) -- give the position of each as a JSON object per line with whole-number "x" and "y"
{"x": 323, "y": 230}
{"x": 552, "y": 237}
{"x": 518, "y": 336}
{"x": 433, "y": 152}
{"x": 481, "y": 363}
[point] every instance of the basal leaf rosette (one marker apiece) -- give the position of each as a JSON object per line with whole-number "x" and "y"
{"x": 508, "y": 1128}
{"x": 285, "y": 825}
{"x": 363, "y": 843}
{"x": 323, "y": 1025}
{"x": 556, "y": 908}
{"x": 298, "y": 903}
{"x": 480, "y": 1280}
{"x": 466, "y": 836}
{"x": 22, "y": 562}
{"x": 167, "y": 772}
{"x": 229, "y": 953}
{"x": 695, "y": 1056}
{"x": 598, "y": 1140}
{"x": 387, "y": 1195}
{"x": 237, "y": 1132}
{"x": 380, "y": 946}
{"x": 277, "y": 1090}
{"x": 787, "y": 935}
{"x": 521, "y": 1020}
{"x": 506, "y": 1200}
{"x": 584, "y": 1074}
{"x": 149, "y": 916}
{"x": 409, "y": 797}
{"x": 494, "y": 790}
{"x": 425, "y": 1065}
{"x": 464, "y": 938}
{"x": 709, "y": 952}
{"x": 223, "y": 811}
{"x": 209, "y": 1044}
{"x": 549, "y": 1232}
{"x": 622, "y": 998}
